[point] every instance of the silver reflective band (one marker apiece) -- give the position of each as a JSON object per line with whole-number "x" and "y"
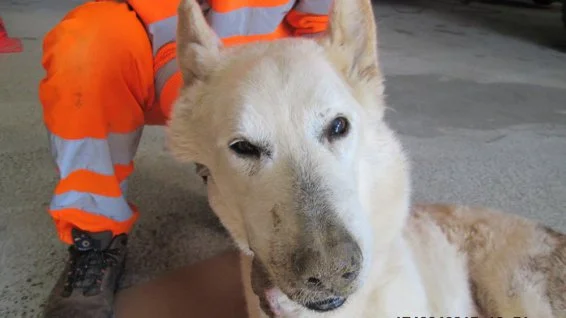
{"x": 320, "y": 7}
{"x": 313, "y": 35}
{"x": 248, "y": 21}
{"x": 163, "y": 74}
{"x": 241, "y": 22}
{"x": 162, "y": 32}
{"x": 94, "y": 154}
{"x": 116, "y": 209}
{"x": 124, "y": 188}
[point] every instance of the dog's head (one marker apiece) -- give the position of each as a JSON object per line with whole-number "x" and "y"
{"x": 302, "y": 170}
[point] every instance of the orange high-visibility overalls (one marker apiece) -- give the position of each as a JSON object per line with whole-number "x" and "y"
{"x": 111, "y": 69}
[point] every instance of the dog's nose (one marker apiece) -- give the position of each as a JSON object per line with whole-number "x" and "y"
{"x": 333, "y": 267}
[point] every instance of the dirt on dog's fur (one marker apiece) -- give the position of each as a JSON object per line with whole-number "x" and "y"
{"x": 314, "y": 187}
{"x": 516, "y": 267}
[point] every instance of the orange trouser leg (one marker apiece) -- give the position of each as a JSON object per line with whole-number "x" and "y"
{"x": 99, "y": 78}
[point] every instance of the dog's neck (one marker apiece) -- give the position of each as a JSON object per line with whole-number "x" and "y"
{"x": 386, "y": 200}
{"x": 392, "y": 265}
{"x": 388, "y": 203}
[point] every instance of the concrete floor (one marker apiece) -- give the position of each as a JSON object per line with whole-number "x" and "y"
{"x": 478, "y": 94}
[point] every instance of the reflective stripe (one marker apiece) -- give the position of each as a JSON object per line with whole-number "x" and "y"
{"x": 240, "y": 22}
{"x": 114, "y": 208}
{"x": 123, "y": 147}
{"x": 163, "y": 74}
{"x": 162, "y": 32}
{"x": 248, "y": 21}
{"x": 124, "y": 188}
{"x": 94, "y": 154}
{"x": 320, "y": 7}
{"x": 312, "y": 35}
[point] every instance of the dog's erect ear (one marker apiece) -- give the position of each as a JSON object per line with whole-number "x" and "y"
{"x": 198, "y": 50}
{"x": 351, "y": 40}
{"x": 198, "y": 47}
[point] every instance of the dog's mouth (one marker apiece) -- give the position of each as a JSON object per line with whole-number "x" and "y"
{"x": 274, "y": 300}
{"x": 327, "y": 304}
{"x": 271, "y": 303}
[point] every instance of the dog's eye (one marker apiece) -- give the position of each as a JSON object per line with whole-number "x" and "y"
{"x": 245, "y": 148}
{"x": 338, "y": 128}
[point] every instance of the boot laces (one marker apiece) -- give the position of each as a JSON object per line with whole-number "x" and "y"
{"x": 88, "y": 268}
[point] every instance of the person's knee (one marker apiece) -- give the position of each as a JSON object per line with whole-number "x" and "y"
{"x": 97, "y": 35}
{"x": 99, "y": 49}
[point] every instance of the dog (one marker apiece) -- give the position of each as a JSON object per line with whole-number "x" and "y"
{"x": 315, "y": 189}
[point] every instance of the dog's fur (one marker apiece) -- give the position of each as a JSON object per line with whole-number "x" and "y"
{"x": 307, "y": 201}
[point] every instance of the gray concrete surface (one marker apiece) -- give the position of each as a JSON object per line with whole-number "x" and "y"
{"x": 477, "y": 92}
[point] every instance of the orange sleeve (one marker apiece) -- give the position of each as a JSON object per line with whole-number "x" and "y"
{"x": 306, "y": 23}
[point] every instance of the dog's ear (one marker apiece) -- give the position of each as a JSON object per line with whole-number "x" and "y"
{"x": 351, "y": 41}
{"x": 198, "y": 50}
{"x": 198, "y": 47}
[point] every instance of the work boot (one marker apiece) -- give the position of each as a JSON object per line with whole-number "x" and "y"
{"x": 86, "y": 287}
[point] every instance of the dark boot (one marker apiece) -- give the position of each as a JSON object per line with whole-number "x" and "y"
{"x": 87, "y": 285}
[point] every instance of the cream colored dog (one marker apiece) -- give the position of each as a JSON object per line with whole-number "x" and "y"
{"x": 314, "y": 187}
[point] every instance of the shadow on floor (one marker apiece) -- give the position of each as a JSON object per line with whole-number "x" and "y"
{"x": 520, "y": 19}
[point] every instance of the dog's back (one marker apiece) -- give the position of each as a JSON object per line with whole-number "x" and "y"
{"x": 517, "y": 267}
